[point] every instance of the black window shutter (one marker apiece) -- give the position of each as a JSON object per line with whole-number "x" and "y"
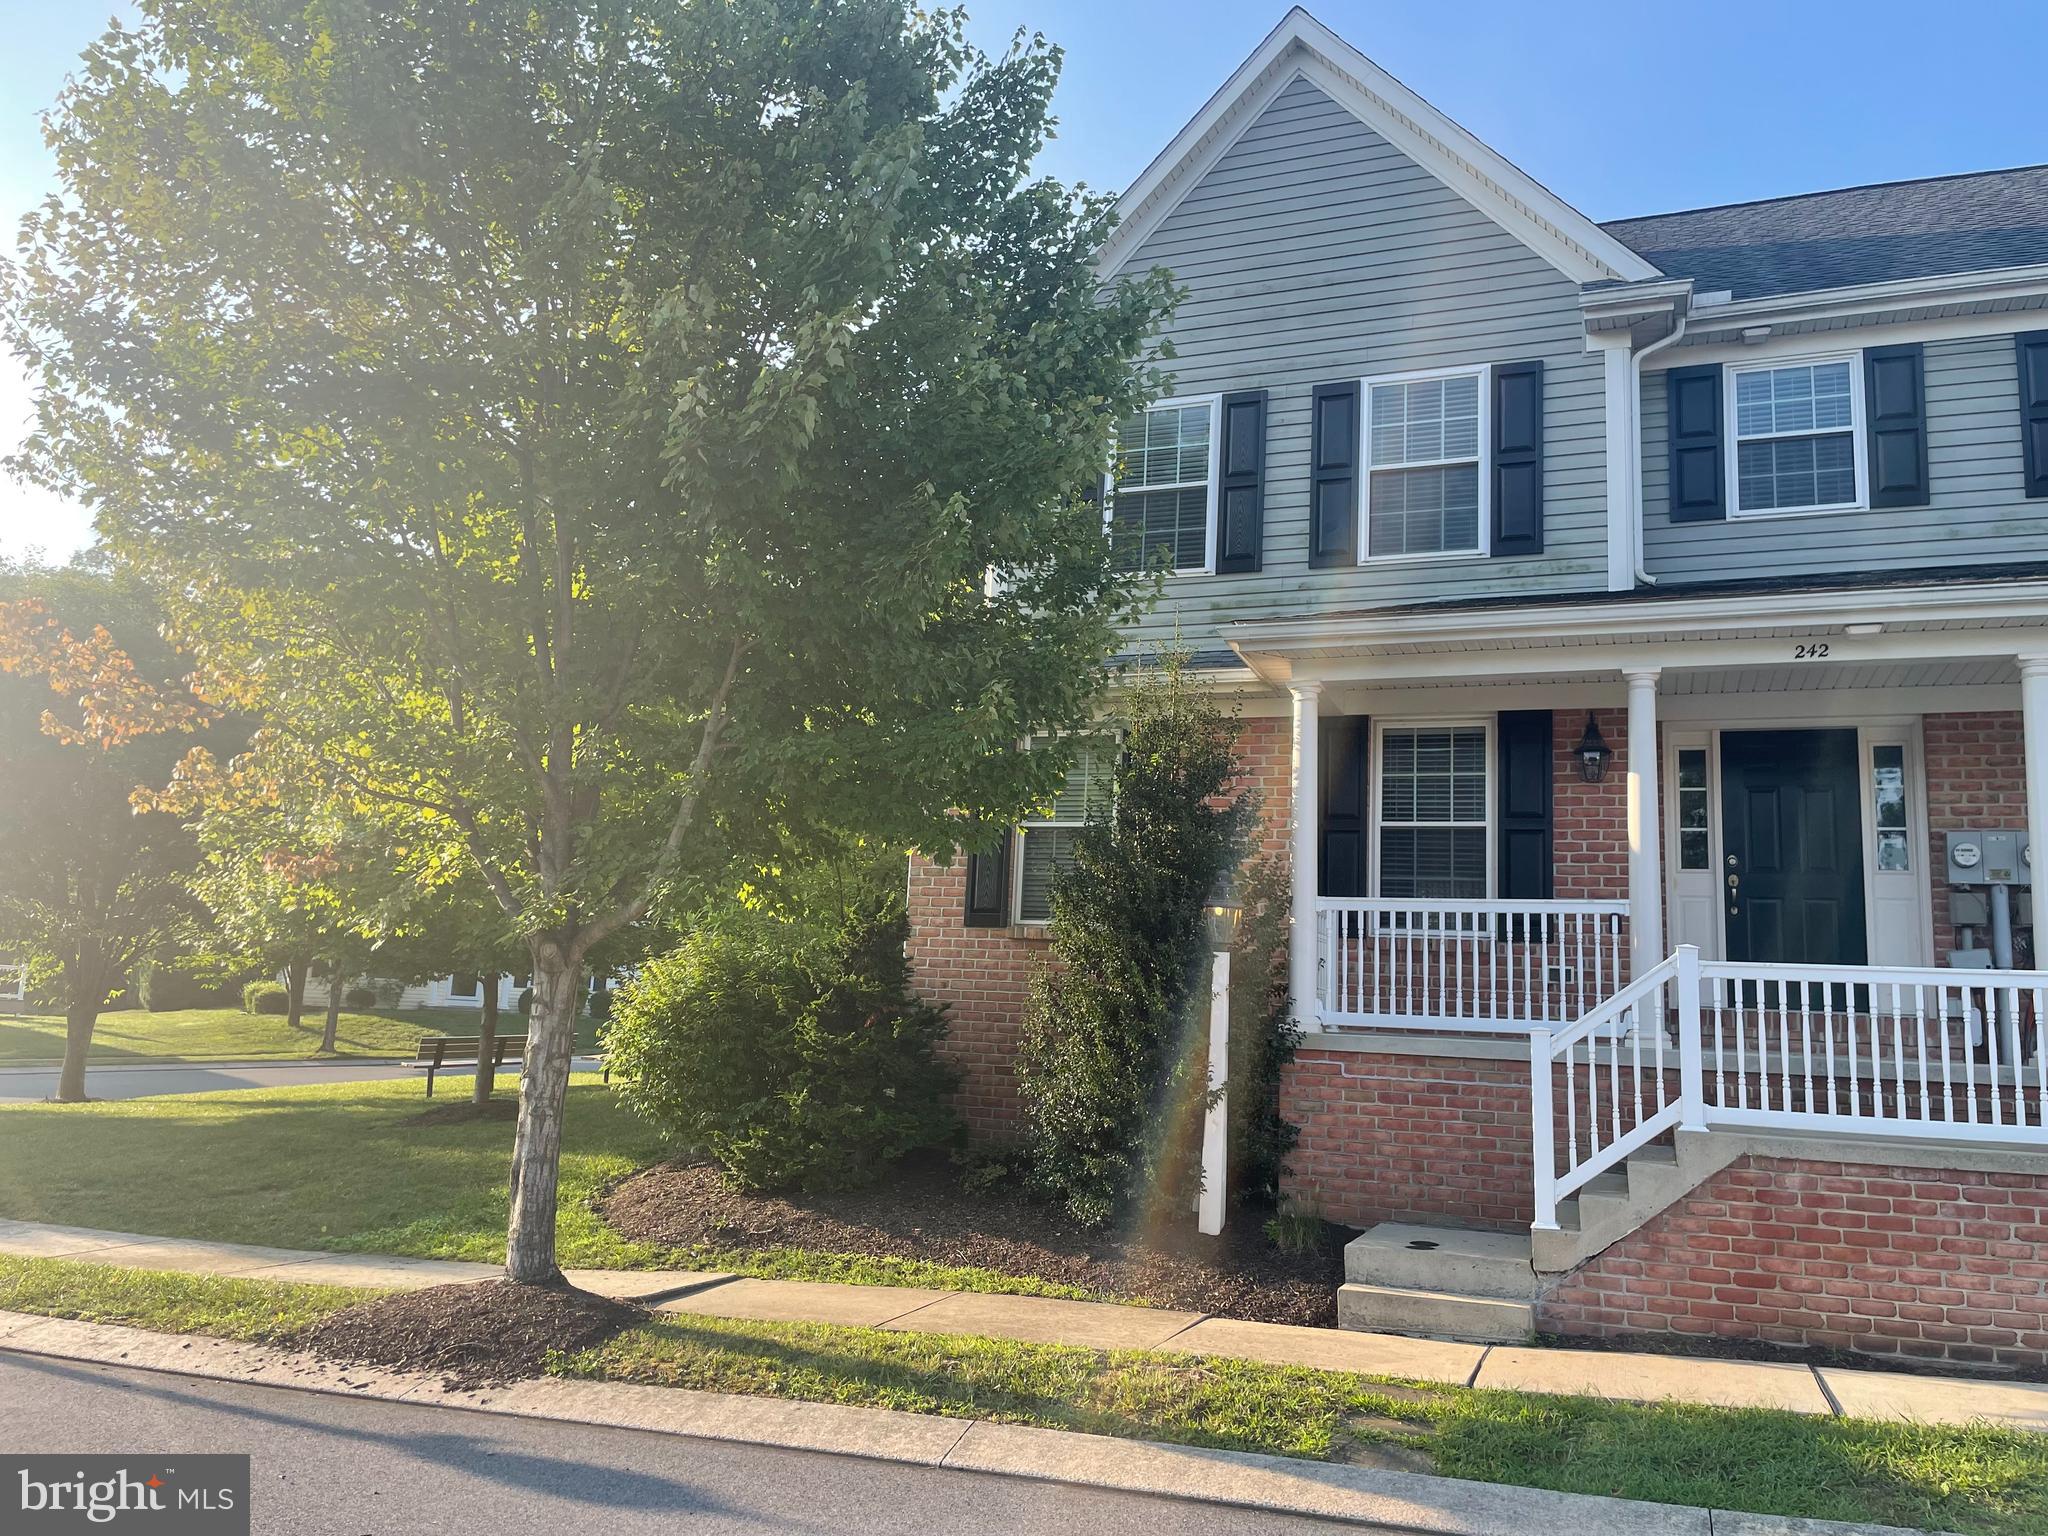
{"x": 1522, "y": 750}
{"x": 988, "y": 887}
{"x": 1518, "y": 459}
{"x": 1695, "y": 430}
{"x": 2033, "y": 360}
{"x": 1345, "y": 742}
{"x": 1895, "y": 392}
{"x": 1240, "y": 499}
{"x": 1333, "y": 475}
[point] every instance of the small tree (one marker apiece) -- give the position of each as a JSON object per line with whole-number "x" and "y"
{"x": 1111, "y": 1057}
{"x": 88, "y": 885}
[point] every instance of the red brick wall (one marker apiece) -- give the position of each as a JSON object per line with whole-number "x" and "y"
{"x": 1410, "y": 1138}
{"x": 1914, "y": 1263}
{"x": 1976, "y": 777}
{"x": 1589, "y": 839}
{"x": 981, "y": 975}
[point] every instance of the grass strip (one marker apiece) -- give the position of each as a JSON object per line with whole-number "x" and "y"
{"x": 1982, "y": 1481}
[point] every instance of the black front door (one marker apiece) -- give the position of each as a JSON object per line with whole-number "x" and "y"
{"x": 1792, "y": 833}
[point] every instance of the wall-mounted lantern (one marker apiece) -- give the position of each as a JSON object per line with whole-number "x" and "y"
{"x": 1593, "y": 752}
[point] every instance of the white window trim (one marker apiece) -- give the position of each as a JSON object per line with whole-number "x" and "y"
{"x": 1215, "y": 404}
{"x": 1483, "y": 372}
{"x": 1484, "y": 723}
{"x": 1857, "y": 442}
{"x": 1016, "y": 892}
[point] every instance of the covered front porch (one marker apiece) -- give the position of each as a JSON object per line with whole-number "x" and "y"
{"x": 1617, "y": 837}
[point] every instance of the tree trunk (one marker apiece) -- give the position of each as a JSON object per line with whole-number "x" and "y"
{"x": 537, "y": 1145}
{"x": 295, "y": 989}
{"x": 487, "y": 1040}
{"x": 85, "y": 989}
{"x": 334, "y": 991}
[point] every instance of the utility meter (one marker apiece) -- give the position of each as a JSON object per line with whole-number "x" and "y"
{"x": 1965, "y": 858}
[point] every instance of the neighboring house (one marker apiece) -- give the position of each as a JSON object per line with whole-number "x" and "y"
{"x": 462, "y": 990}
{"x": 1622, "y": 617}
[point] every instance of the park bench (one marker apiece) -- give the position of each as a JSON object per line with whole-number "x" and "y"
{"x": 438, "y": 1051}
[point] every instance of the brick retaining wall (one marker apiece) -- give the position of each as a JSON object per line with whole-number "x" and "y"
{"x": 1914, "y": 1263}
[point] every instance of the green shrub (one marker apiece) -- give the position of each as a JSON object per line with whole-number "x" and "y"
{"x": 360, "y": 998}
{"x": 1263, "y": 1035}
{"x": 526, "y": 1000}
{"x": 600, "y": 1006}
{"x": 1111, "y": 1059}
{"x": 163, "y": 986}
{"x": 265, "y": 997}
{"x": 791, "y": 1049}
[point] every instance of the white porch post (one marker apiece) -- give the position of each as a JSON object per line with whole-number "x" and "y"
{"x": 1301, "y": 957}
{"x": 2034, "y": 712}
{"x": 1645, "y": 856}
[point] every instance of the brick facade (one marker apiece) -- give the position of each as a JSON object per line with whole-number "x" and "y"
{"x": 1976, "y": 777}
{"x": 1589, "y": 822}
{"x": 1914, "y": 1263}
{"x": 981, "y": 975}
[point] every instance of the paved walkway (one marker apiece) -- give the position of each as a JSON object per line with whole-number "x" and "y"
{"x": 1106, "y": 1325}
{"x": 112, "y": 1080}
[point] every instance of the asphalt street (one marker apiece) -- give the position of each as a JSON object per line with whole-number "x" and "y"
{"x": 136, "y": 1082}
{"x": 363, "y": 1467}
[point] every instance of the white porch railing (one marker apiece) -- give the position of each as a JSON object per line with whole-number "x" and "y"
{"x": 1924, "y": 1053}
{"x": 1610, "y": 1072}
{"x": 1486, "y": 966}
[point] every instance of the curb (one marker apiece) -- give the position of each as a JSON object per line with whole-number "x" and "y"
{"x": 1407, "y": 1501}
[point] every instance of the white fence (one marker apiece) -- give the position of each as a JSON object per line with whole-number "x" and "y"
{"x": 1927, "y": 1054}
{"x": 13, "y": 987}
{"x": 1487, "y": 966}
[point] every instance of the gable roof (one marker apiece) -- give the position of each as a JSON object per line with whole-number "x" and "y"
{"x": 1874, "y": 234}
{"x": 1301, "y": 47}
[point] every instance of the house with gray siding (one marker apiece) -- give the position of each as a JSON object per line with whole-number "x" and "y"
{"x": 1640, "y": 632}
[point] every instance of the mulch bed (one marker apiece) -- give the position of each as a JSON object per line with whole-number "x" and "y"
{"x": 922, "y": 1212}
{"x": 477, "y": 1335}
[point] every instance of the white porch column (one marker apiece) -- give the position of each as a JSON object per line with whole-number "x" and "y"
{"x": 1645, "y": 852}
{"x": 2034, "y": 711}
{"x": 1301, "y": 955}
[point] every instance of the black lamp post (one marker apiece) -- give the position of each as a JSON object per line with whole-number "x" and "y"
{"x": 1593, "y": 752}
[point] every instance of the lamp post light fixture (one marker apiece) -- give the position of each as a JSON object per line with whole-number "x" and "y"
{"x": 1593, "y": 752}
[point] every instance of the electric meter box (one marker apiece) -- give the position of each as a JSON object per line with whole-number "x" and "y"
{"x": 1998, "y": 856}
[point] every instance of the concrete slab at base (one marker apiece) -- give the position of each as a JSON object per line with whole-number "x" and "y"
{"x": 1333, "y": 1349}
{"x": 1936, "y": 1399}
{"x": 1643, "y": 1378}
{"x": 1437, "y": 1314}
{"x": 1453, "y": 1259}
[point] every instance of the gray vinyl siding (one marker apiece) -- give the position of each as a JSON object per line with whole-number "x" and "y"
{"x": 1314, "y": 251}
{"x": 1977, "y": 514}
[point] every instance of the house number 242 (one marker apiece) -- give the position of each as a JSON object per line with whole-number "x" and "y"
{"x": 1816, "y": 650}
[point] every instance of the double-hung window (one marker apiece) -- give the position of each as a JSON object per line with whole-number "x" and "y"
{"x": 1796, "y": 430}
{"x": 1162, "y": 491}
{"x": 1045, "y": 840}
{"x": 1425, "y": 477}
{"x": 1431, "y": 805}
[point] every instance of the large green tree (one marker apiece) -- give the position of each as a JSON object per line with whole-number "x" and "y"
{"x": 589, "y": 428}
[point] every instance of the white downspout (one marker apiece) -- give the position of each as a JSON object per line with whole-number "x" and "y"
{"x": 1635, "y": 443}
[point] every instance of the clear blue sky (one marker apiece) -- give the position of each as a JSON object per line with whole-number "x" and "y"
{"x": 1619, "y": 109}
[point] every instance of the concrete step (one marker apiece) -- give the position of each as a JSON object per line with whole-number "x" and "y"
{"x": 1436, "y": 1314}
{"x": 1447, "y": 1259}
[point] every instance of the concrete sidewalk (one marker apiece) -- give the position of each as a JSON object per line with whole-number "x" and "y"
{"x": 1107, "y": 1325}
{"x": 1407, "y": 1502}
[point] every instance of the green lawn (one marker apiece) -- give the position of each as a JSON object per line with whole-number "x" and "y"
{"x": 1988, "y": 1481}
{"x": 228, "y": 1034}
{"x": 343, "y": 1166}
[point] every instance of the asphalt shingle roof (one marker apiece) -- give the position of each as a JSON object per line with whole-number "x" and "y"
{"x": 1871, "y": 234}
